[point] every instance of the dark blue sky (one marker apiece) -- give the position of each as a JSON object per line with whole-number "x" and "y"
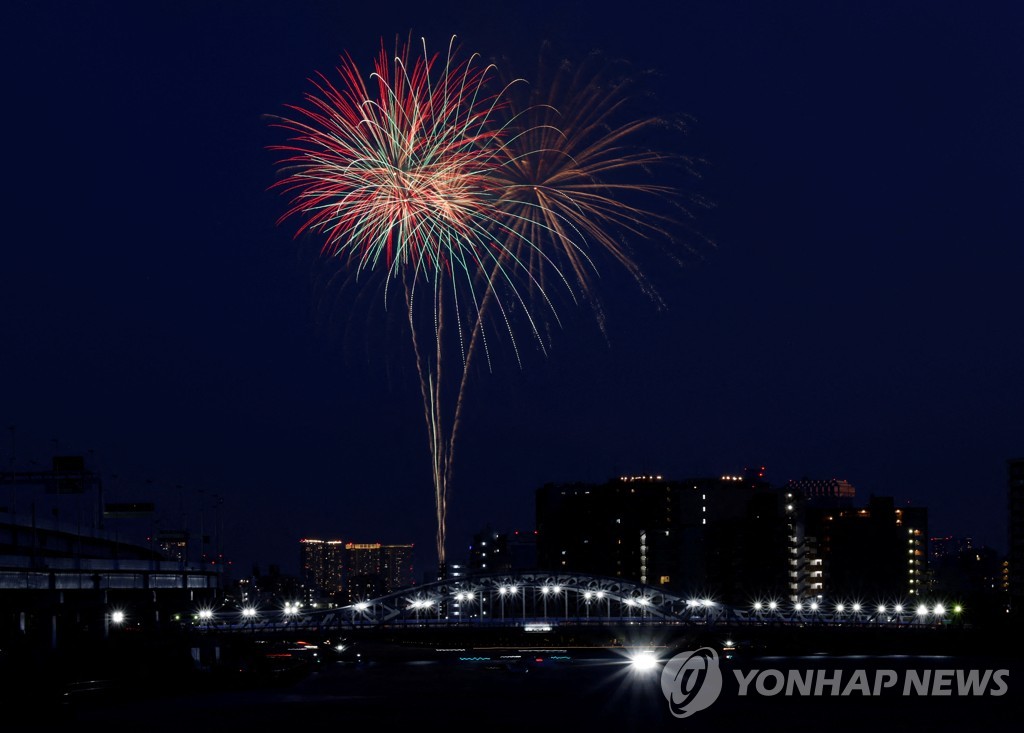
{"x": 859, "y": 315}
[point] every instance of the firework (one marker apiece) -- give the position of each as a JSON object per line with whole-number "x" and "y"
{"x": 398, "y": 175}
{"x": 579, "y": 183}
{"x": 431, "y": 175}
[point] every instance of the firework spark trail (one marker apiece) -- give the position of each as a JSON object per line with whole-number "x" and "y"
{"x": 576, "y": 173}
{"x": 427, "y": 177}
{"x": 399, "y": 177}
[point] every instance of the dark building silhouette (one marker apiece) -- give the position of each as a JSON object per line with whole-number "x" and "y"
{"x": 749, "y": 556}
{"x": 871, "y": 551}
{"x": 374, "y": 569}
{"x": 970, "y": 573}
{"x": 70, "y": 561}
{"x": 832, "y": 492}
{"x": 363, "y": 587}
{"x": 704, "y": 535}
{"x": 397, "y": 569}
{"x": 345, "y": 572}
{"x": 320, "y": 567}
{"x": 274, "y": 589}
{"x": 736, "y": 538}
{"x": 492, "y": 551}
{"x": 1015, "y": 559}
{"x": 947, "y": 547}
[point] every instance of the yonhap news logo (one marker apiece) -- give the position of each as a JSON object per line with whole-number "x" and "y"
{"x": 692, "y": 681}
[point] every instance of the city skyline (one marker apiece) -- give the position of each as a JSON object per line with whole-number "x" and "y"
{"x": 191, "y": 529}
{"x": 855, "y": 316}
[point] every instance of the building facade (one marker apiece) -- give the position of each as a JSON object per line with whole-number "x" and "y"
{"x": 1015, "y": 559}
{"x": 321, "y": 564}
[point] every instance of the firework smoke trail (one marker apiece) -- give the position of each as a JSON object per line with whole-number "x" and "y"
{"x": 400, "y": 177}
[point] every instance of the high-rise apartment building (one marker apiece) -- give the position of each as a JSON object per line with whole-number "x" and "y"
{"x": 351, "y": 571}
{"x": 1015, "y": 559}
{"x": 321, "y": 568}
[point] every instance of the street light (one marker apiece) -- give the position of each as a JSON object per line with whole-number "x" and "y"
{"x": 115, "y": 617}
{"x": 557, "y": 590}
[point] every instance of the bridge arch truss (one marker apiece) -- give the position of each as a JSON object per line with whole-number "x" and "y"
{"x": 542, "y": 600}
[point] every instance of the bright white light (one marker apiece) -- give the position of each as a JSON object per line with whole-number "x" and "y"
{"x": 248, "y": 612}
{"x": 922, "y": 610}
{"x": 798, "y": 606}
{"x": 881, "y": 608}
{"x": 600, "y": 594}
{"x": 459, "y": 596}
{"x": 339, "y": 648}
{"x": 814, "y": 606}
{"x": 362, "y": 606}
{"x": 544, "y": 590}
{"x": 469, "y": 596}
{"x": 502, "y": 590}
{"x": 840, "y": 607}
{"x": 630, "y": 602}
{"x": 757, "y": 606}
{"x": 117, "y": 617}
{"x": 939, "y": 610}
{"x": 693, "y": 603}
{"x": 205, "y": 613}
{"x": 557, "y": 589}
{"x": 856, "y": 608}
{"x": 644, "y": 661}
{"x": 587, "y": 595}
{"x": 643, "y": 601}
{"x": 898, "y": 608}
{"x": 708, "y": 602}
{"x": 773, "y": 605}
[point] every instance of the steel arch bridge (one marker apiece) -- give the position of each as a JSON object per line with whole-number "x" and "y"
{"x": 539, "y": 601}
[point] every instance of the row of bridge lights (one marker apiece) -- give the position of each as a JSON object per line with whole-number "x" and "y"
{"x": 117, "y": 617}
{"x": 938, "y": 609}
{"x": 250, "y": 612}
{"x": 506, "y": 590}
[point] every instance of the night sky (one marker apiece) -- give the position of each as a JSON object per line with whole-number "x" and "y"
{"x": 857, "y": 313}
